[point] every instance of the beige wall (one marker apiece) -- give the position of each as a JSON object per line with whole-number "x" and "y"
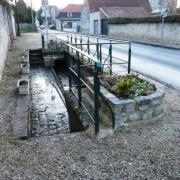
{"x": 4, "y": 42}
{"x": 147, "y": 31}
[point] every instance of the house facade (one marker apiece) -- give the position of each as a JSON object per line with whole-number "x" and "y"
{"x": 69, "y": 18}
{"x": 94, "y": 19}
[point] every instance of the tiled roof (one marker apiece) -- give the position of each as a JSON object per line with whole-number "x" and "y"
{"x": 96, "y": 4}
{"x": 72, "y": 8}
{"x": 124, "y": 11}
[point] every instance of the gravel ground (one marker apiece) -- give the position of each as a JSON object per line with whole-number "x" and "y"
{"x": 144, "y": 151}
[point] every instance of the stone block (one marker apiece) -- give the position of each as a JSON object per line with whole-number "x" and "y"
{"x": 158, "y": 110}
{"x": 147, "y": 115}
{"x": 135, "y": 116}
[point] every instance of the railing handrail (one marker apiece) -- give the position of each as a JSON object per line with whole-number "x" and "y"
{"x": 83, "y": 53}
{"x": 89, "y": 35}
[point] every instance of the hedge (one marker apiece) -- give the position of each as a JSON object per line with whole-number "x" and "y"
{"x": 150, "y": 19}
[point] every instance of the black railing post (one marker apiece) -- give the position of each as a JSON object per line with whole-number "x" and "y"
{"x": 129, "y": 59}
{"x": 110, "y": 57}
{"x": 79, "y": 79}
{"x": 68, "y": 38}
{"x": 56, "y": 40}
{"x": 81, "y": 43}
{"x": 69, "y": 71}
{"x": 97, "y": 50}
{"x": 42, "y": 38}
{"x": 71, "y": 38}
{"x": 96, "y": 96}
{"x": 76, "y": 41}
{"x": 88, "y": 46}
{"x": 100, "y": 55}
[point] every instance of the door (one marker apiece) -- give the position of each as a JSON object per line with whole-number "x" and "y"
{"x": 104, "y": 26}
{"x": 95, "y": 26}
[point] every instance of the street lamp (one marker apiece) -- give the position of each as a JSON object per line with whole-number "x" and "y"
{"x": 32, "y": 15}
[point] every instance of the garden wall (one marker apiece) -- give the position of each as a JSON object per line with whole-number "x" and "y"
{"x": 4, "y": 43}
{"x": 147, "y": 32}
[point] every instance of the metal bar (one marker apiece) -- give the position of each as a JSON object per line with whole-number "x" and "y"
{"x": 100, "y": 56}
{"x": 88, "y": 46}
{"x": 71, "y": 38}
{"x": 99, "y": 37}
{"x": 79, "y": 80}
{"x": 96, "y": 97}
{"x": 76, "y": 41}
{"x": 69, "y": 72}
{"x": 43, "y": 46}
{"x": 83, "y": 105}
{"x": 97, "y": 50}
{"x": 81, "y": 43}
{"x": 110, "y": 57}
{"x": 129, "y": 59}
{"x": 98, "y": 43}
{"x": 83, "y": 53}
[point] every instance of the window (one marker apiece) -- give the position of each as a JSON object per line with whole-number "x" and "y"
{"x": 68, "y": 25}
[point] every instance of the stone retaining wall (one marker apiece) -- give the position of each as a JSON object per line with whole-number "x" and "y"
{"x": 142, "y": 108}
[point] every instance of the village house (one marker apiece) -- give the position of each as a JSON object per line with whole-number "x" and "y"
{"x": 95, "y": 13}
{"x": 69, "y": 18}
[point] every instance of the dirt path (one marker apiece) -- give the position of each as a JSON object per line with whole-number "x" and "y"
{"x": 145, "y": 151}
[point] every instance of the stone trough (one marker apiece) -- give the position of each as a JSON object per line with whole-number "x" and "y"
{"x": 142, "y": 108}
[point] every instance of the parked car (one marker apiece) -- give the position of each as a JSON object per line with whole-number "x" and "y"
{"x": 42, "y": 27}
{"x": 52, "y": 27}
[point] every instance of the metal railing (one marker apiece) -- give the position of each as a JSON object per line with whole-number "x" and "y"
{"x": 95, "y": 91}
{"x": 96, "y": 47}
{"x": 85, "y": 50}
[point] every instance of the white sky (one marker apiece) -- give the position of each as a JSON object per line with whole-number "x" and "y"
{"x": 178, "y": 4}
{"x": 59, "y": 3}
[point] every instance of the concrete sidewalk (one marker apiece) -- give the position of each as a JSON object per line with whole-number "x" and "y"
{"x": 8, "y": 84}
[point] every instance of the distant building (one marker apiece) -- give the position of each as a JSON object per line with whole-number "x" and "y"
{"x": 51, "y": 12}
{"x": 44, "y": 2}
{"x": 95, "y": 13}
{"x": 69, "y": 18}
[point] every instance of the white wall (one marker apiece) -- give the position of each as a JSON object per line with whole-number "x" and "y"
{"x": 4, "y": 40}
{"x": 96, "y": 16}
{"x": 147, "y": 31}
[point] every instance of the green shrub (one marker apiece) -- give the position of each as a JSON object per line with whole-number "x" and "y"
{"x": 129, "y": 86}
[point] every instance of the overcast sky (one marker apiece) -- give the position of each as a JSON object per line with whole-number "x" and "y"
{"x": 59, "y": 3}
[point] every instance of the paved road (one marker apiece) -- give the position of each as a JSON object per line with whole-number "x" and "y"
{"x": 162, "y": 64}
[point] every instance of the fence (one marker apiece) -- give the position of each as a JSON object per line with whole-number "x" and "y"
{"x": 97, "y": 61}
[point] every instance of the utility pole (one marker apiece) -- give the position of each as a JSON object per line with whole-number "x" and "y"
{"x": 17, "y": 20}
{"x": 32, "y": 15}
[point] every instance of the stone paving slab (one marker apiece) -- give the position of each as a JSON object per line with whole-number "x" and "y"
{"x": 21, "y": 122}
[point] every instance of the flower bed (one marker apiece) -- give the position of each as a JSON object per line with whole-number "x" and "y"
{"x": 23, "y": 86}
{"x": 145, "y": 100}
{"x": 129, "y": 86}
